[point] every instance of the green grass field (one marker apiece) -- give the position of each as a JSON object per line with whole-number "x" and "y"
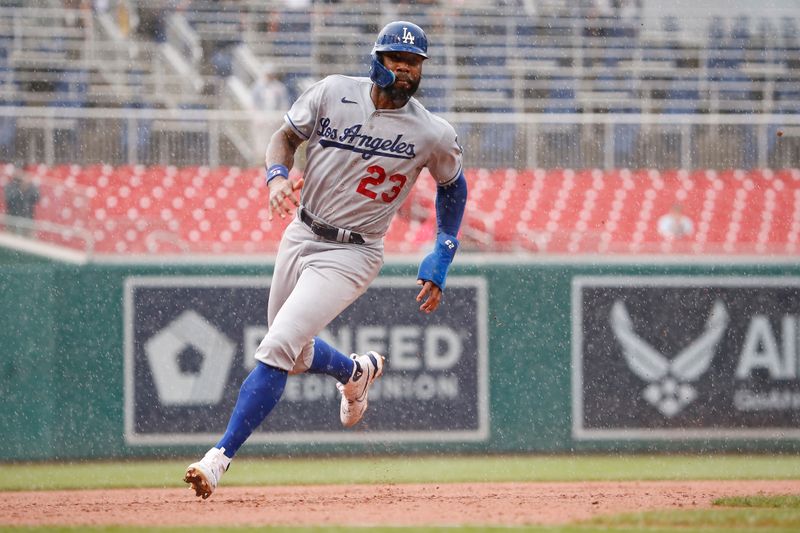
{"x": 756, "y": 513}
{"x": 310, "y": 471}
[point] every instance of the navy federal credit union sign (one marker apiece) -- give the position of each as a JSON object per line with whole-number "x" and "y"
{"x": 682, "y": 357}
{"x": 189, "y": 344}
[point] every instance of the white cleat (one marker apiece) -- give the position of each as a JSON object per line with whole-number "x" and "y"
{"x": 204, "y": 475}
{"x": 369, "y": 367}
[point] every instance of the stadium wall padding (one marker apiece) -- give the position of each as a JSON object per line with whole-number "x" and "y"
{"x": 63, "y": 362}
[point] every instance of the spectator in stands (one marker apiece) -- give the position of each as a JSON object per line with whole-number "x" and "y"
{"x": 270, "y": 99}
{"x": 152, "y": 17}
{"x": 122, "y": 12}
{"x": 675, "y": 225}
{"x": 21, "y": 199}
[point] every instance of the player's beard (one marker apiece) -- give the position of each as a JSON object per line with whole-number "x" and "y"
{"x": 402, "y": 93}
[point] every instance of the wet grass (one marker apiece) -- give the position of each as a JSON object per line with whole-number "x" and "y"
{"x": 786, "y": 501}
{"x": 313, "y": 471}
{"x": 767, "y": 520}
{"x": 773, "y": 514}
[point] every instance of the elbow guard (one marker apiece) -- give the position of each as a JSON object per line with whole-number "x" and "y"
{"x": 434, "y": 266}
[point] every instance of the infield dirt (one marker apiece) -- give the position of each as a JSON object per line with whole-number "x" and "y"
{"x": 372, "y": 505}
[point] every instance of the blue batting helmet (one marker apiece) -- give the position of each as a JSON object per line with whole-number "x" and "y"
{"x": 398, "y": 36}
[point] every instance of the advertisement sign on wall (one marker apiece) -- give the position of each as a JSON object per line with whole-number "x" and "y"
{"x": 683, "y": 357}
{"x": 189, "y": 344}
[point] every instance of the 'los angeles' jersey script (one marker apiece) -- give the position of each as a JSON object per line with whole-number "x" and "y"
{"x": 362, "y": 162}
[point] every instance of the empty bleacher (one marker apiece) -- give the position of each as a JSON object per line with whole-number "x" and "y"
{"x": 55, "y": 56}
{"x": 561, "y": 56}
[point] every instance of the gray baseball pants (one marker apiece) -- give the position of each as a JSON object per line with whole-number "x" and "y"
{"x": 313, "y": 282}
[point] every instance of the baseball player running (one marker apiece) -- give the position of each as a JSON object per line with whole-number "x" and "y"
{"x": 368, "y": 140}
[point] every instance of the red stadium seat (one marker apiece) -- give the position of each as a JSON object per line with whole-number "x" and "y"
{"x": 158, "y": 209}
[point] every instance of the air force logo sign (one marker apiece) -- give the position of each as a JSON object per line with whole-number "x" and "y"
{"x": 685, "y": 357}
{"x": 668, "y": 388}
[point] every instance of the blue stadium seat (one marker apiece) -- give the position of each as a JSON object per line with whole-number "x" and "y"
{"x": 626, "y": 137}
{"x": 789, "y": 31}
{"x": 786, "y": 95}
{"x": 716, "y": 29}
{"x": 498, "y": 138}
{"x": 682, "y": 96}
{"x": 733, "y": 85}
{"x": 6, "y": 43}
{"x": 433, "y": 92}
{"x": 141, "y": 136}
{"x": 562, "y": 96}
{"x": 740, "y": 32}
{"x": 71, "y": 89}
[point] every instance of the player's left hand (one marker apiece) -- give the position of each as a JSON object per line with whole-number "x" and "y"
{"x": 430, "y": 295}
{"x": 281, "y": 190}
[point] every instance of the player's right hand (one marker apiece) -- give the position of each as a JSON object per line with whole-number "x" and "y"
{"x": 281, "y": 196}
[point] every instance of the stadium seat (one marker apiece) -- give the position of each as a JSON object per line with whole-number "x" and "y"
{"x": 164, "y": 209}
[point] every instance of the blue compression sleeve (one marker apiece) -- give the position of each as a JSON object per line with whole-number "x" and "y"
{"x": 328, "y": 360}
{"x": 450, "y": 204}
{"x": 258, "y": 395}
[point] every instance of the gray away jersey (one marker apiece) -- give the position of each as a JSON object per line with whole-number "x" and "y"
{"x": 363, "y": 162}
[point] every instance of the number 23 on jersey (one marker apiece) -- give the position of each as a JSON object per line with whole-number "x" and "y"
{"x": 374, "y": 185}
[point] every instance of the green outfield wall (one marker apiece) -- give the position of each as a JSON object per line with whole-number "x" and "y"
{"x": 537, "y": 356}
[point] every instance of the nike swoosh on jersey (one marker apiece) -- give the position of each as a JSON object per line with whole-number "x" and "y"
{"x": 346, "y": 101}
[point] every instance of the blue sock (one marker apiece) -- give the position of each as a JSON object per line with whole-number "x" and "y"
{"x": 259, "y": 393}
{"x": 328, "y": 360}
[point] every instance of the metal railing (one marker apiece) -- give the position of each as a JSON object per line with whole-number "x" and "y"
{"x": 490, "y": 140}
{"x": 30, "y": 233}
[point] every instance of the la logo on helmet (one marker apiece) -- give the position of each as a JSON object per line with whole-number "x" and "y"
{"x": 408, "y": 37}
